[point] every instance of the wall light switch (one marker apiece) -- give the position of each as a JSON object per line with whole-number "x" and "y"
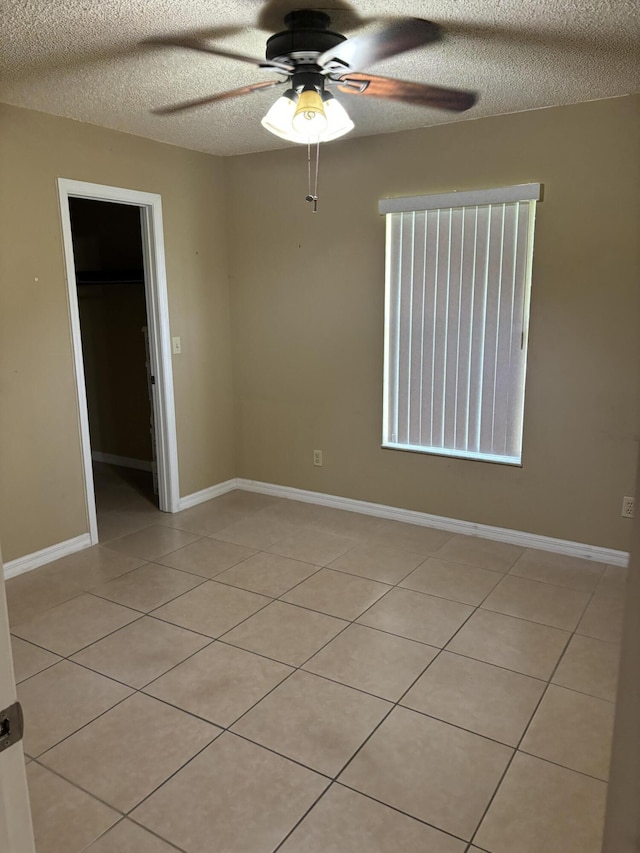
{"x": 176, "y": 346}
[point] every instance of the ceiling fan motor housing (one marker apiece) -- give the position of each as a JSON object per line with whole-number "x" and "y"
{"x": 307, "y": 37}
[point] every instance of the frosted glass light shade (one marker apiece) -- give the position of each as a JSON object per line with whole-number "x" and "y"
{"x": 279, "y": 117}
{"x": 338, "y": 121}
{"x": 279, "y": 120}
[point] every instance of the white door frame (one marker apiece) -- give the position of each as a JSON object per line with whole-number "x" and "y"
{"x": 155, "y": 283}
{"x": 16, "y": 831}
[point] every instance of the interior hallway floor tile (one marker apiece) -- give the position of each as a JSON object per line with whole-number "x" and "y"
{"x": 378, "y": 713}
{"x": 141, "y": 652}
{"x": 219, "y": 683}
{"x": 65, "y": 819}
{"x": 285, "y": 633}
{"x": 126, "y": 753}
{"x": 28, "y": 659}
{"x": 344, "y": 821}
{"x": 211, "y": 608}
{"x": 148, "y": 587}
{"x": 541, "y": 806}
{"x": 242, "y": 812}
{"x": 378, "y": 663}
{"x": 314, "y": 721}
{"x": 438, "y": 773}
{"x": 267, "y": 574}
{"x": 152, "y": 542}
{"x": 70, "y": 626}
{"x": 417, "y": 616}
{"x": 206, "y": 557}
{"x": 336, "y": 593}
{"x": 128, "y": 837}
{"x": 62, "y": 699}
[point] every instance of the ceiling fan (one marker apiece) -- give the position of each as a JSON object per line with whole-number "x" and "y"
{"x": 312, "y": 60}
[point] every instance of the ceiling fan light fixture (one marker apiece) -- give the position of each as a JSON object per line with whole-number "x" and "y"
{"x": 279, "y": 120}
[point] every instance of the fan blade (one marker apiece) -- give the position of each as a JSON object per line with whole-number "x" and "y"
{"x": 212, "y": 99}
{"x": 411, "y": 93}
{"x": 362, "y": 51}
{"x": 196, "y": 44}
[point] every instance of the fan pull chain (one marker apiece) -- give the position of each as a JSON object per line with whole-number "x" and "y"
{"x": 313, "y": 197}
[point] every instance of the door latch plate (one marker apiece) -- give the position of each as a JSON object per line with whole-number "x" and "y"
{"x": 11, "y": 726}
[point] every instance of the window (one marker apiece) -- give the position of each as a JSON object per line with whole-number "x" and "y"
{"x": 458, "y": 276}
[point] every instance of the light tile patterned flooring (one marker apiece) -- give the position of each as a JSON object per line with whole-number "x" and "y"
{"x": 255, "y": 674}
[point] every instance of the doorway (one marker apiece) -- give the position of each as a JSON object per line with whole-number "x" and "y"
{"x": 109, "y": 268}
{"x": 120, "y": 327}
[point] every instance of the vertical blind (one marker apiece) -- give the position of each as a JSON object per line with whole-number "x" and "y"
{"x": 457, "y": 305}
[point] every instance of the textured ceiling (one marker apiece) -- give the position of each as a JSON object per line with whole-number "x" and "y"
{"x": 83, "y": 59}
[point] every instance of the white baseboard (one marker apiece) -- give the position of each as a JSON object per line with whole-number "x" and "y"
{"x": 207, "y": 494}
{"x": 122, "y": 461}
{"x": 453, "y": 525}
{"x": 46, "y": 555}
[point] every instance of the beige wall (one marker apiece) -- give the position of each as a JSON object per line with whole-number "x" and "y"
{"x": 308, "y": 318}
{"x": 41, "y": 484}
{"x": 622, "y": 827}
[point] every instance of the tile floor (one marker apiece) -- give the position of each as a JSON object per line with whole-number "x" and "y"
{"x": 255, "y": 674}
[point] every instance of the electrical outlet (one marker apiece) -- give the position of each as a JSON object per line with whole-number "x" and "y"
{"x": 317, "y": 457}
{"x": 627, "y": 507}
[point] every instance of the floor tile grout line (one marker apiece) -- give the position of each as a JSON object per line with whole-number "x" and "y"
{"x": 222, "y": 571}
{"x": 331, "y": 780}
{"x": 83, "y": 726}
{"x": 294, "y": 670}
{"x": 45, "y": 609}
{"x": 123, "y": 819}
{"x": 155, "y": 678}
{"x": 401, "y": 811}
{"x": 69, "y": 657}
{"x": 110, "y": 542}
{"x": 106, "y": 542}
{"x": 289, "y": 675}
{"x": 267, "y": 548}
{"x": 300, "y": 667}
{"x": 223, "y": 731}
{"x": 563, "y": 766}
{"x": 512, "y": 574}
{"x": 44, "y": 669}
{"x": 458, "y": 726}
{"x": 200, "y": 537}
{"x": 303, "y": 817}
{"x": 154, "y": 612}
{"x": 287, "y": 591}
{"x": 156, "y": 835}
{"x": 84, "y": 791}
{"x": 521, "y": 739}
{"x": 156, "y": 607}
{"x": 139, "y": 614}
{"x": 375, "y": 580}
{"x": 176, "y": 771}
{"x": 354, "y": 621}
{"x": 220, "y": 638}
{"x": 151, "y": 793}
